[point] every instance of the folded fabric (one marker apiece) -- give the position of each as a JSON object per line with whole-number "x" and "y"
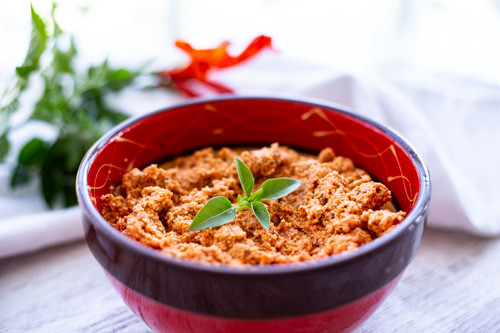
{"x": 453, "y": 124}
{"x": 32, "y": 232}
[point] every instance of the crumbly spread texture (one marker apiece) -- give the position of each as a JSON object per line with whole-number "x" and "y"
{"x": 337, "y": 208}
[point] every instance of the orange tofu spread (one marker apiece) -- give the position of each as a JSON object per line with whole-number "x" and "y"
{"x": 337, "y": 208}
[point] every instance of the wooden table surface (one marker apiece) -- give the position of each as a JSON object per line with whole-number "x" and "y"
{"x": 453, "y": 285}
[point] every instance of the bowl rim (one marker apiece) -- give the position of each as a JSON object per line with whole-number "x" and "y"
{"x": 102, "y": 226}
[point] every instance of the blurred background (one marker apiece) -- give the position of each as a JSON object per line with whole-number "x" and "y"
{"x": 385, "y": 37}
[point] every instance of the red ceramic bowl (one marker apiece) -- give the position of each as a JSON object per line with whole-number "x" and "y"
{"x": 327, "y": 295}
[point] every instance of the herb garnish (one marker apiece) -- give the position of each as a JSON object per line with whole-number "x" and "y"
{"x": 72, "y": 103}
{"x": 219, "y": 210}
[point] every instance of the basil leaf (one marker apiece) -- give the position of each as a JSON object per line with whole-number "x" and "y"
{"x": 62, "y": 61}
{"x": 33, "y": 153}
{"x": 278, "y": 187}
{"x": 255, "y": 195}
{"x": 21, "y": 175}
{"x": 245, "y": 176}
{"x": 4, "y": 146}
{"x": 216, "y": 212}
{"x": 36, "y": 47}
{"x": 260, "y": 211}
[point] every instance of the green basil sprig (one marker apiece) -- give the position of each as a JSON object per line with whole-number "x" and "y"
{"x": 219, "y": 210}
{"x": 72, "y": 102}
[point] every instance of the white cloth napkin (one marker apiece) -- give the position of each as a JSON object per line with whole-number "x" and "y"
{"x": 453, "y": 123}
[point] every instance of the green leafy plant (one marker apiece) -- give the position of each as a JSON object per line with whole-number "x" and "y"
{"x": 72, "y": 102}
{"x": 219, "y": 210}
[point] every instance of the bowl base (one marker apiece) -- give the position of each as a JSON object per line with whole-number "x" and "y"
{"x": 162, "y": 318}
